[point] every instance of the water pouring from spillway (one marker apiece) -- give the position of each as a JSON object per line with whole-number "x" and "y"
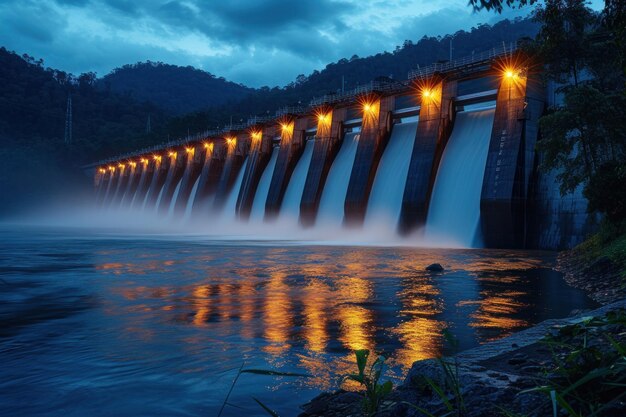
{"x": 454, "y": 211}
{"x": 192, "y": 198}
{"x": 230, "y": 208}
{"x": 385, "y": 200}
{"x": 331, "y": 209}
{"x": 172, "y": 205}
{"x": 290, "y": 208}
{"x": 260, "y": 197}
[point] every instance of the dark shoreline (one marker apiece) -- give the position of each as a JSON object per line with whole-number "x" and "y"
{"x": 599, "y": 278}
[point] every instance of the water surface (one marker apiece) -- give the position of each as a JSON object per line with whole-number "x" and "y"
{"x": 105, "y": 324}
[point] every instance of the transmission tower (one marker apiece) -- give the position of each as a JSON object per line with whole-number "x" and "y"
{"x": 68, "y": 120}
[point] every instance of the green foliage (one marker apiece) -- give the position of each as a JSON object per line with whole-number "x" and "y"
{"x": 609, "y": 242}
{"x": 498, "y": 5}
{"x": 449, "y": 388}
{"x": 590, "y": 373}
{"x": 369, "y": 379}
{"x": 606, "y": 191}
{"x": 583, "y": 135}
{"x": 268, "y": 410}
{"x": 272, "y": 373}
{"x": 563, "y": 37}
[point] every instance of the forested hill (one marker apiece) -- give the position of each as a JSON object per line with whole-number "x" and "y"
{"x": 33, "y": 105}
{"x": 35, "y": 160}
{"x": 176, "y": 89}
{"x": 356, "y": 71}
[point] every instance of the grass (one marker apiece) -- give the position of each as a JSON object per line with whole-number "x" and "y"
{"x": 589, "y": 376}
{"x": 369, "y": 379}
{"x": 267, "y": 372}
{"x": 609, "y": 242}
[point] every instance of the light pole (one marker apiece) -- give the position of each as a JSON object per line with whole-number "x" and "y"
{"x": 451, "y": 37}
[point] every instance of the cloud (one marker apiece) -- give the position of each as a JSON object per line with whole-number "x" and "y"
{"x": 17, "y": 20}
{"x": 255, "y": 42}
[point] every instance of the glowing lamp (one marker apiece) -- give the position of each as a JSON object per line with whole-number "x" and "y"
{"x": 510, "y": 73}
{"x": 231, "y": 140}
{"x": 171, "y": 153}
{"x": 256, "y": 135}
{"x": 111, "y": 168}
{"x": 367, "y": 107}
{"x": 321, "y": 117}
{"x": 189, "y": 150}
{"x": 121, "y": 165}
{"x": 426, "y": 93}
{"x": 157, "y": 157}
{"x": 132, "y": 164}
{"x": 102, "y": 170}
{"x": 143, "y": 161}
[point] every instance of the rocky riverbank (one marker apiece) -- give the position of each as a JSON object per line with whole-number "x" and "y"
{"x": 600, "y": 275}
{"x": 497, "y": 378}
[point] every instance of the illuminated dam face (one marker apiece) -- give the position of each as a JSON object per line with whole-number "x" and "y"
{"x": 443, "y": 163}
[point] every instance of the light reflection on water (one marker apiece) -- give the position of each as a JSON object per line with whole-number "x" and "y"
{"x": 103, "y": 325}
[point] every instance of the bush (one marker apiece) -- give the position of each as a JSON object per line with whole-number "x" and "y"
{"x": 606, "y": 191}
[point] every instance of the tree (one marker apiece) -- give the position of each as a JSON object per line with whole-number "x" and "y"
{"x": 498, "y": 5}
{"x": 583, "y": 135}
{"x": 563, "y": 38}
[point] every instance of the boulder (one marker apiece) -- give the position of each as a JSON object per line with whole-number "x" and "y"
{"x": 434, "y": 268}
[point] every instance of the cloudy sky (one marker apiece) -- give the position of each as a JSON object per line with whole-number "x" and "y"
{"x": 255, "y": 42}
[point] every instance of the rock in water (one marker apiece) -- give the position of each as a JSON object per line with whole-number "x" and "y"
{"x": 434, "y": 268}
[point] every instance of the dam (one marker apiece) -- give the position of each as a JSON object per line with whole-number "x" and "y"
{"x": 447, "y": 157}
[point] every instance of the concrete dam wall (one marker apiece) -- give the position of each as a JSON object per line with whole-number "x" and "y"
{"x": 448, "y": 157}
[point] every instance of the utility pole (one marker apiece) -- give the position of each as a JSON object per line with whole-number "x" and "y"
{"x": 68, "y": 120}
{"x": 451, "y": 47}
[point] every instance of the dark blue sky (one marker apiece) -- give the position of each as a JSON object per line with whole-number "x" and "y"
{"x": 255, "y": 42}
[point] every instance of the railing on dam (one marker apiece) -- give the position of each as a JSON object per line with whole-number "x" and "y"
{"x": 374, "y": 86}
{"x": 462, "y": 62}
